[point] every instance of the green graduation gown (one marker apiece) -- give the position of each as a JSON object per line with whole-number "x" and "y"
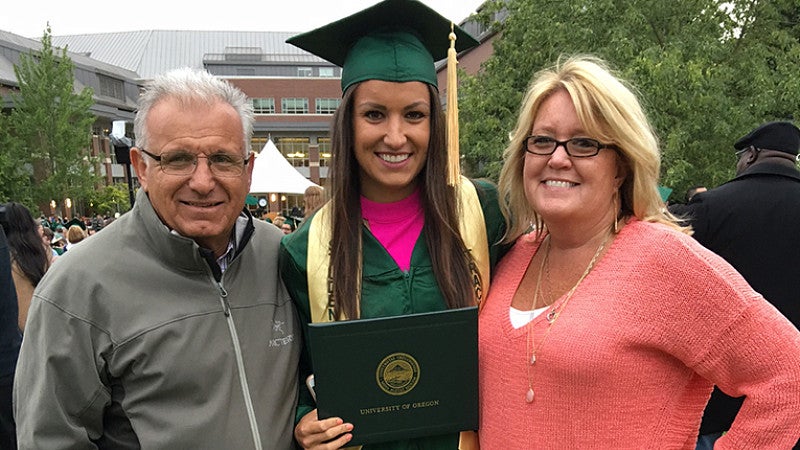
{"x": 386, "y": 291}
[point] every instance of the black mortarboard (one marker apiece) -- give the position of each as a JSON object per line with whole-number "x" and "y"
{"x": 75, "y": 221}
{"x": 780, "y": 136}
{"x": 394, "y": 40}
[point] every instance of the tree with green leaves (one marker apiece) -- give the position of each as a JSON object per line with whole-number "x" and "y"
{"x": 48, "y": 132}
{"x": 707, "y": 71}
{"x": 109, "y": 200}
{"x": 14, "y": 183}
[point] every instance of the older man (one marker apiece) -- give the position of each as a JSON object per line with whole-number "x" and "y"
{"x": 171, "y": 329}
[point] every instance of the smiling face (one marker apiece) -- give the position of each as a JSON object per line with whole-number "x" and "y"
{"x": 566, "y": 190}
{"x": 392, "y": 126}
{"x": 200, "y": 206}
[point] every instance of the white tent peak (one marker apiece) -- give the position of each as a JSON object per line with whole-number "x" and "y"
{"x": 272, "y": 173}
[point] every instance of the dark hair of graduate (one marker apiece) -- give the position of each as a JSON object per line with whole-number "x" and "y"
{"x": 449, "y": 257}
{"x": 25, "y": 242}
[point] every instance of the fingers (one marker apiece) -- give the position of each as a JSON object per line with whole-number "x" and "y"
{"x": 327, "y": 434}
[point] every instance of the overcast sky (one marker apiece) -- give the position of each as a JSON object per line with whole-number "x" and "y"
{"x": 30, "y": 17}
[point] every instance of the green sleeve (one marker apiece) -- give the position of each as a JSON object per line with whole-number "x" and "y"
{"x": 292, "y": 260}
{"x": 493, "y": 218}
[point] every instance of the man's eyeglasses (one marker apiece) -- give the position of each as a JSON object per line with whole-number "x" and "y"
{"x": 221, "y": 164}
{"x": 741, "y": 152}
{"x": 575, "y": 147}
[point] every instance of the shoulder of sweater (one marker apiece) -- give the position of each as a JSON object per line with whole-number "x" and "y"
{"x": 658, "y": 240}
{"x": 671, "y": 250}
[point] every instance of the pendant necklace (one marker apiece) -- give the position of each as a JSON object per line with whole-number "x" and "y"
{"x": 554, "y": 313}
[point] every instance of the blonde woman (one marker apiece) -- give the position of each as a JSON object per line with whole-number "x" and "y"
{"x": 608, "y": 325}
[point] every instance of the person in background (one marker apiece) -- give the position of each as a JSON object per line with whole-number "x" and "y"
{"x": 680, "y": 209}
{"x": 392, "y": 233}
{"x": 47, "y": 238}
{"x": 97, "y": 222}
{"x": 59, "y": 243}
{"x": 74, "y": 235}
{"x": 287, "y": 227}
{"x": 10, "y": 339}
{"x": 694, "y": 190}
{"x": 296, "y": 214}
{"x": 278, "y": 221}
{"x": 608, "y": 325}
{"x": 171, "y": 328}
{"x": 751, "y": 221}
{"x": 29, "y": 257}
{"x": 313, "y": 199}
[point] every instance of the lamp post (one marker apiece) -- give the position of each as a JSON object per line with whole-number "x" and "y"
{"x": 122, "y": 150}
{"x": 68, "y": 208}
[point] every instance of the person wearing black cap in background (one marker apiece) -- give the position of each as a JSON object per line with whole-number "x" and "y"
{"x": 403, "y": 232}
{"x": 753, "y": 222}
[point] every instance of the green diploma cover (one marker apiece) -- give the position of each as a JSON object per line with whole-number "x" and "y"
{"x": 398, "y": 377}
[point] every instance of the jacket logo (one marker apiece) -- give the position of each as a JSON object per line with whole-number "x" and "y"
{"x": 277, "y": 328}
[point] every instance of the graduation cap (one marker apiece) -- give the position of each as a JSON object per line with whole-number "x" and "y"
{"x": 394, "y": 40}
{"x": 75, "y": 221}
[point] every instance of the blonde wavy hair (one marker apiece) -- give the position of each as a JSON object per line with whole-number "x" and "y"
{"x": 609, "y": 112}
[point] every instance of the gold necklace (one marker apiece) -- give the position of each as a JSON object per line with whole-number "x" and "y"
{"x": 555, "y": 312}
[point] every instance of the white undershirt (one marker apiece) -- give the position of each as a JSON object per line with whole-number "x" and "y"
{"x": 519, "y": 317}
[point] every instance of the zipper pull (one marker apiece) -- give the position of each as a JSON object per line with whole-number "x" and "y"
{"x": 226, "y": 305}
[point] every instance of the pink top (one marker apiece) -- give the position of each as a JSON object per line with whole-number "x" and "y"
{"x": 396, "y": 225}
{"x": 631, "y": 361}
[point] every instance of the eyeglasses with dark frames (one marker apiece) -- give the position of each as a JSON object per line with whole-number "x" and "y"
{"x": 181, "y": 162}
{"x": 576, "y": 147}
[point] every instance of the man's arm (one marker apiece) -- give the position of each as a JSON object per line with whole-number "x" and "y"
{"x": 58, "y": 394}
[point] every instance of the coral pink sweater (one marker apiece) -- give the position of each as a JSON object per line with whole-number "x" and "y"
{"x": 631, "y": 361}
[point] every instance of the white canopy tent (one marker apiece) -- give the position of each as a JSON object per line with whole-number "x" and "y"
{"x": 272, "y": 173}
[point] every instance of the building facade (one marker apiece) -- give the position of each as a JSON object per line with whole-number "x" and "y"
{"x": 294, "y": 93}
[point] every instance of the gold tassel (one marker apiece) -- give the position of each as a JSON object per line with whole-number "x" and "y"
{"x": 453, "y": 158}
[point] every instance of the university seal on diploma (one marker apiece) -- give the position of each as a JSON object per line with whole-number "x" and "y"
{"x": 397, "y": 374}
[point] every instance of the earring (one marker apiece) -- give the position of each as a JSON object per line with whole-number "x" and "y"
{"x": 616, "y": 212}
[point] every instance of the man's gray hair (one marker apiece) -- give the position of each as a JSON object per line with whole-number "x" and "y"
{"x": 191, "y": 85}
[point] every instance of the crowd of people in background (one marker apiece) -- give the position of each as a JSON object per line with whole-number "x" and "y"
{"x": 313, "y": 199}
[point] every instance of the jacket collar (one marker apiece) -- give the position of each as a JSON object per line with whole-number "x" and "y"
{"x": 767, "y": 168}
{"x": 176, "y": 250}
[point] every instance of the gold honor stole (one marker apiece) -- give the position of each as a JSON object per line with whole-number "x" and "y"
{"x": 473, "y": 233}
{"x": 471, "y": 225}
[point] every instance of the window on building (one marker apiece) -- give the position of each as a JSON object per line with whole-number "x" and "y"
{"x": 258, "y": 142}
{"x": 294, "y": 149}
{"x": 111, "y": 87}
{"x": 304, "y": 72}
{"x": 264, "y": 105}
{"x": 324, "y": 151}
{"x": 326, "y": 72}
{"x": 294, "y": 105}
{"x": 327, "y": 105}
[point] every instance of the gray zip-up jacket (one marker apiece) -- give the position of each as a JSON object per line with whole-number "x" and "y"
{"x": 134, "y": 340}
